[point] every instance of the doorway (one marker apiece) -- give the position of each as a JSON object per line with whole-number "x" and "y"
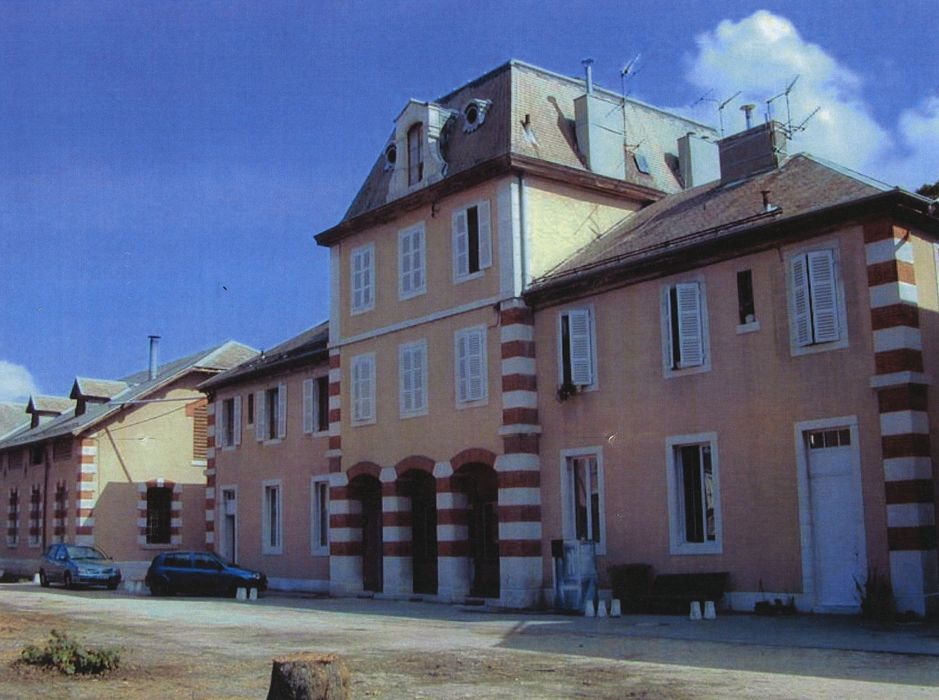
{"x": 228, "y": 535}
{"x": 480, "y": 484}
{"x": 421, "y": 488}
{"x": 367, "y": 490}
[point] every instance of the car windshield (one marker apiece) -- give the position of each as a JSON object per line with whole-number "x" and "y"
{"x": 81, "y": 552}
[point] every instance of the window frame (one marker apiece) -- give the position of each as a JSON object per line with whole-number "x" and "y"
{"x": 415, "y": 146}
{"x": 676, "y": 513}
{"x": 314, "y": 409}
{"x": 412, "y": 233}
{"x": 368, "y": 360}
{"x": 483, "y": 243}
{"x": 669, "y": 325}
{"x": 419, "y": 346}
{"x": 744, "y": 326}
{"x": 319, "y": 520}
{"x": 370, "y": 287}
{"x": 592, "y": 351}
{"x": 150, "y": 538}
{"x": 470, "y": 400}
{"x": 795, "y": 347}
{"x": 567, "y": 495}
{"x": 267, "y": 548}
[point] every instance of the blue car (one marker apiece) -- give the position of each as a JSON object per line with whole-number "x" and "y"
{"x": 199, "y": 573}
{"x": 75, "y": 565}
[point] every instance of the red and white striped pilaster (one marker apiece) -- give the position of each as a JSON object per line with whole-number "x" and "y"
{"x": 176, "y": 510}
{"x": 87, "y": 494}
{"x": 345, "y": 538}
{"x": 454, "y": 570}
{"x": 397, "y": 567}
{"x": 519, "y": 467}
{"x": 334, "y": 453}
{"x": 211, "y": 477}
{"x": 904, "y": 420}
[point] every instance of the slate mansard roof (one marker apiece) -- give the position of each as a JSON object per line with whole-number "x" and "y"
{"x": 137, "y": 387}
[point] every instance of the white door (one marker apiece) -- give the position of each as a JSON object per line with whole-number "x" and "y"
{"x": 229, "y": 524}
{"x": 839, "y": 555}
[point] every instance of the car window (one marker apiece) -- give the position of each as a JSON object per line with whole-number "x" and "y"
{"x": 81, "y": 552}
{"x": 180, "y": 561}
{"x": 204, "y": 561}
{"x": 60, "y": 553}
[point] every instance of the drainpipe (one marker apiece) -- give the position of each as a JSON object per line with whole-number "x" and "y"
{"x": 522, "y": 226}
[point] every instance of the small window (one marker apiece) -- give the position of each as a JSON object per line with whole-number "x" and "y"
{"x": 415, "y": 154}
{"x": 363, "y": 279}
{"x": 61, "y": 449}
{"x": 685, "y": 328}
{"x": 472, "y": 382}
{"x": 391, "y": 156}
{"x": 37, "y": 454}
{"x": 821, "y": 439}
{"x": 577, "y": 356}
{"x": 472, "y": 244}
{"x": 642, "y": 164}
{"x": 816, "y": 313}
{"x": 694, "y": 503}
{"x": 272, "y": 405}
{"x": 35, "y": 516}
{"x": 412, "y": 378}
{"x": 363, "y": 389}
{"x": 228, "y": 432}
{"x": 316, "y": 405}
{"x": 251, "y": 408}
{"x": 159, "y": 514}
{"x": 206, "y": 562}
{"x": 178, "y": 561}
{"x": 272, "y": 519}
{"x": 319, "y": 536}
{"x": 583, "y": 497}
{"x": 13, "y": 519}
{"x": 746, "y": 311}
{"x": 271, "y": 421}
{"x": 411, "y": 262}
{"x": 474, "y": 114}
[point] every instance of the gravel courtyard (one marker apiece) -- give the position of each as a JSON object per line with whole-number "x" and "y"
{"x": 211, "y": 648}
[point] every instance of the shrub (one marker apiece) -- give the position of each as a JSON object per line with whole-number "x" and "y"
{"x": 67, "y": 656}
{"x": 876, "y": 594}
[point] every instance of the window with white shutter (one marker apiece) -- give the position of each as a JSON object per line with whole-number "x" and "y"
{"x": 577, "y": 352}
{"x": 281, "y": 411}
{"x": 412, "y": 378}
{"x": 228, "y": 422}
{"x": 236, "y": 420}
{"x": 816, "y": 314}
{"x": 272, "y": 517}
{"x": 307, "y": 405}
{"x": 411, "y": 262}
{"x": 260, "y": 420}
{"x": 470, "y": 363}
{"x": 472, "y": 240}
{"x": 363, "y": 389}
{"x": 316, "y": 405}
{"x": 319, "y": 516}
{"x": 685, "y": 328}
{"x": 363, "y": 278}
{"x": 693, "y": 494}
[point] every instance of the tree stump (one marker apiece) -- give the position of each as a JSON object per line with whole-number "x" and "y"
{"x": 309, "y": 676}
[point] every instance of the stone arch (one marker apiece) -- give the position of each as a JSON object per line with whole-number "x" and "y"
{"x": 367, "y": 468}
{"x": 415, "y": 462}
{"x": 473, "y": 455}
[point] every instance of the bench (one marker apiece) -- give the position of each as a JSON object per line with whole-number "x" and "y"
{"x": 674, "y": 593}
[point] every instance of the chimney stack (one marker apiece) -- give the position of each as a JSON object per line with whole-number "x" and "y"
{"x": 598, "y": 125}
{"x": 753, "y": 151}
{"x": 748, "y": 114}
{"x": 588, "y": 68}
{"x": 154, "y": 342}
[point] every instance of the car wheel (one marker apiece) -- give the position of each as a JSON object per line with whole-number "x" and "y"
{"x": 43, "y": 579}
{"x": 158, "y": 588}
{"x": 67, "y": 580}
{"x": 112, "y": 586}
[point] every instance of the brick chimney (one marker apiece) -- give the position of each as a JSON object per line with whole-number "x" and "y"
{"x": 753, "y": 151}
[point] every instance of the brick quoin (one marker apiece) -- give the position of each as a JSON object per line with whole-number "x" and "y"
{"x": 519, "y": 382}
{"x": 890, "y": 271}
{"x": 517, "y": 315}
{"x": 902, "y": 360}
{"x": 915, "y": 539}
{"x": 909, "y": 397}
{"x": 894, "y": 315}
{"x": 911, "y": 491}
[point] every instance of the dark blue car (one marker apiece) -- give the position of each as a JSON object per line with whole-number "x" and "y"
{"x": 199, "y": 572}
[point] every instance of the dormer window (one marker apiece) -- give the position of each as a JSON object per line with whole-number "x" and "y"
{"x": 415, "y": 154}
{"x": 391, "y": 156}
{"x": 474, "y": 114}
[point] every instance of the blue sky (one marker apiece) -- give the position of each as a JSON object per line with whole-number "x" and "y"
{"x": 165, "y": 165}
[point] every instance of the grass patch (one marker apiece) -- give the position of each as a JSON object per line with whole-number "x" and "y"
{"x": 69, "y": 657}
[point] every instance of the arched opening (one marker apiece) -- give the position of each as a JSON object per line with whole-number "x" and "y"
{"x": 420, "y": 488}
{"x": 366, "y": 489}
{"x": 478, "y": 482}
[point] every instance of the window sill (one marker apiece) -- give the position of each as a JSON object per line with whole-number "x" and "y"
{"x": 360, "y": 423}
{"x": 363, "y": 310}
{"x": 413, "y": 414}
{"x": 272, "y": 553}
{"x": 404, "y": 296}
{"x": 472, "y": 276}
{"x": 460, "y": 405}
{"x": 671, "y": 373}
{"x": 799, "y": 350}
{"x": 320, "y": 552}
{"x": 272, "y": 441}
{"x": 751, "y": 327}
{"x": 686, "y": 549}
{"x": 319, "y": 433}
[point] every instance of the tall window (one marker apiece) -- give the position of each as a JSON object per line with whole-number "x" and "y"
{"x": 577, "y": 348}
{"x": 250, "y": 409}
{"x": 35, "y": 516}
{"x": 415, "y": 154}
{"x": 228, "y": 432}
{"x": 816, "y": 313}
{"x": 472, "y": 382}
{"x": 13, "y": 518}
{"x": 746, "y": 310}
{"x": 271, "y": 421}
{"x": 411, "y": 261}
{"x": 159, "y": 514}
{"x": 582, "y": 496}
{"x": 363, "y": 389}
{"x": 685, "y": 327}
{"x": 363, "y": 278}
{"x": 319, "y": 536}
{"x": 694, "y": 499}
{"x": 472, "y": 242}
{"x": 316, "y": 405}
{"x": 272, "y": 519}
{"x": 412, "y": 377}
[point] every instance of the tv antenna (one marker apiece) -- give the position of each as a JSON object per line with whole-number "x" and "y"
{"x": 628, "y": 71}
{"x": 790, "y": 129}
{"x": 706, "y": 97}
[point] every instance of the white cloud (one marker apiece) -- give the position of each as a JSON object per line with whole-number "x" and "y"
{"x": 762, "y": 53}
{"x": 16, "y": 383}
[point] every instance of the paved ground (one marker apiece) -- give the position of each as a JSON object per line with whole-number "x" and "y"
{"x": 211, "y": 648}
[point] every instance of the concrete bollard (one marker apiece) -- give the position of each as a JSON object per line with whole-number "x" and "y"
{"x": 615, "y": 609}
{"x": 241, "y": 593}
{"x": 252, "y": 593}
{"x": 36, "y": 579}
{"x": 589, "y": 609}
{"x": 709, "y": 612}
{"x": 695, "y": 611}
{"x": 601, "y": 608}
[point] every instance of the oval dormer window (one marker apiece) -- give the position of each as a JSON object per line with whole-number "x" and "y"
{"x": 391, "y": 155}
{"x": 474, "y": 114}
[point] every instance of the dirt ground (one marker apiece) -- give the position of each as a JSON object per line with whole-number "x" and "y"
{"x": 202, "y": 648}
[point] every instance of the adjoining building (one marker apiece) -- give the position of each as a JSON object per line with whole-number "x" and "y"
{"x": 267, "y": 503}
{"x": 119, "y": 464}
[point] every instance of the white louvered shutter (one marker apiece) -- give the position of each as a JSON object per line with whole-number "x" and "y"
{"x": 417, "y": 377}
{"x": 219, "y": 424}
{"x": 406, "y": 264}
{"x": 824, "y": 305}
{"x": 404, "y": 369}
{"x": 485, "y": 236}
{"x": 307, "y": 405}
{"x": 581, "y": 352}
{"x": 474, "y": 353}
{"x": 282, "y": 411}
{"x": 260, "y": 417}
{"x": 801, "y": 316}
{"x": 460, "y": 244}
{"x": 462, "y": 368}
{"x": 236, "y": 420}
{"x": 367, "y": 268}
{"x": 417, "y": 260}
{"x": 357, "y": 280}
{"x": 690, "y": 336}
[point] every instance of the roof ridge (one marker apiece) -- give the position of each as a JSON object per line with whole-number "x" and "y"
{"x": 844, "y": 170}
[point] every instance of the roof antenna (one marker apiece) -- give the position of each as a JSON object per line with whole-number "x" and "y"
{"x": 790, "y": 129}
{"x": 720, "y": 109}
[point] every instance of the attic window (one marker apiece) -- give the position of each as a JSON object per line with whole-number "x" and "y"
{"x": 391, "y": 156}
{"x": 641, "y": 163}
{"x": 415, "y": 154}
{"x": 474, "y": 114}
